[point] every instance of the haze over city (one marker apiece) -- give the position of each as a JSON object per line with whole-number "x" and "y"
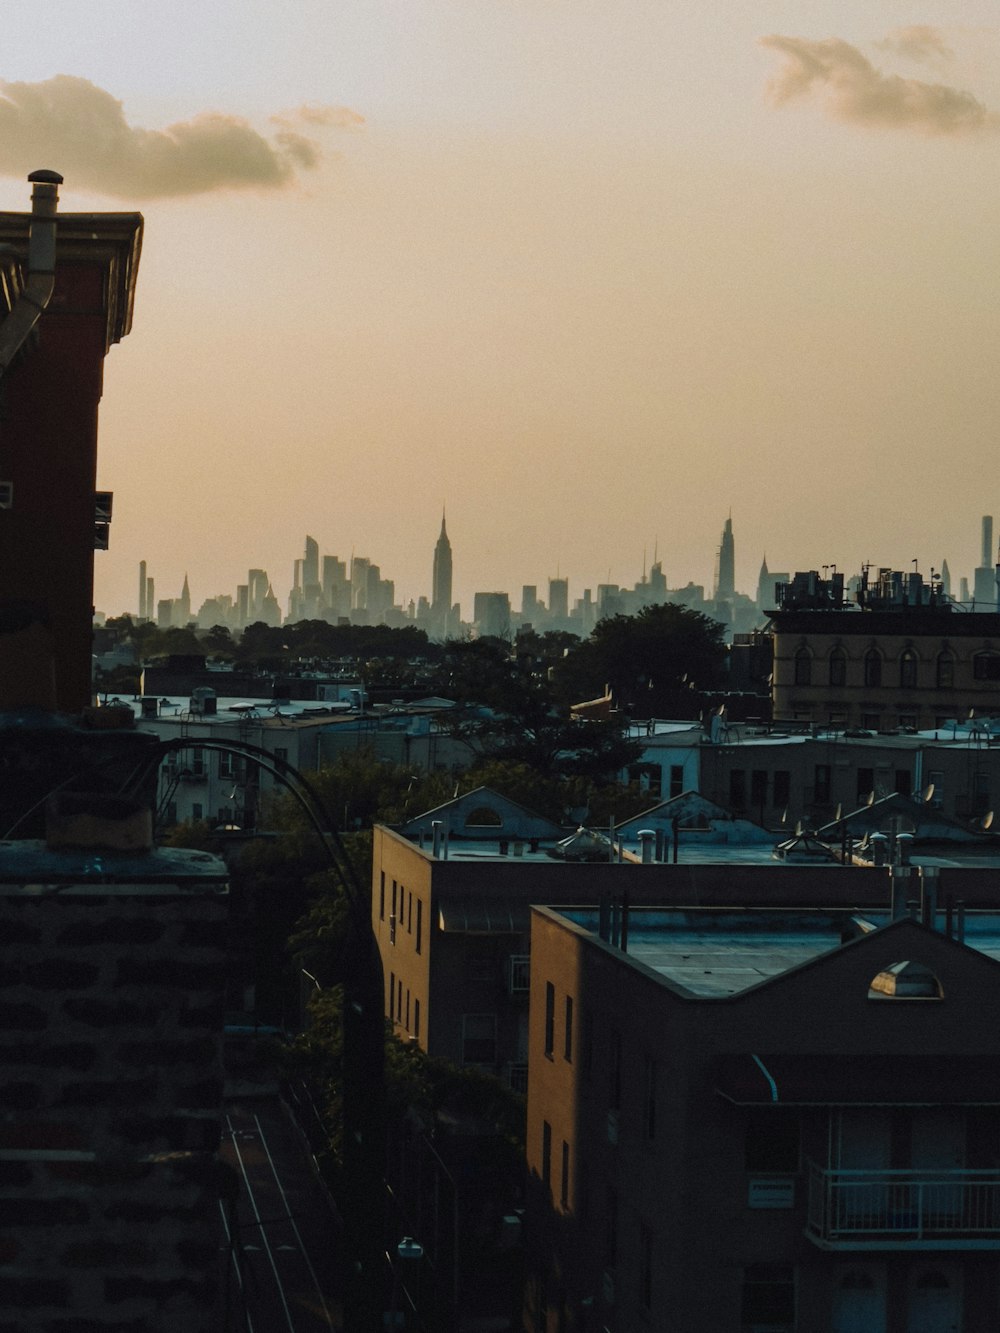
{"x": 589, "y": 276}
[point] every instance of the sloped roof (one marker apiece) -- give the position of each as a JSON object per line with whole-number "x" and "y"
{"x": 918, "y": 817}
{"x": 696, "y": 812}
{"x": 512, "y": 820}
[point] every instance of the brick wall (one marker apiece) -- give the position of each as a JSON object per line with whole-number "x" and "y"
{"x": 111, "y": 1000}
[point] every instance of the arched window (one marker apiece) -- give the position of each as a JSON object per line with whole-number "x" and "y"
{"x": 908, "y": 669}
{"x": 905, "y": 981}
{"x": 838, "y": 667}
{"x": 483, "y": 817}
{"x": 945, "y": 670}
{"x": 873, "y": 667}
{"x": 803, "y": 667}
{"x": 986, "y": 666}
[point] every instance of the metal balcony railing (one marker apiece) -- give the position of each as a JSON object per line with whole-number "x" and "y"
{"x": 878, "y": 1209}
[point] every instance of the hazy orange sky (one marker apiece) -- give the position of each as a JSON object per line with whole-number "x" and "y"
{"x": 591, "y": 275}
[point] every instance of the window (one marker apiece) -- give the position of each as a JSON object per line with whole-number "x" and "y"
{"x": 676, "y": 780}
{"x": 782, "y": 786}
{"x": 546, "y": 1154}
{"x": 769, "y": 1297}
{"x": 227, "y": 765}
{"x": 986, "y": 666}
{"x": 409, "y": 912}
{"x": 420, "y": 922}
{"x": 649, "y": 1097}
{"x": 381, "y": 896}
{"x": 198, "y": 763}
{"x": 838, "y": 667}
{"x": 483, "y": 817}
{"x": 399, "y": 1001}
{"x": 873, "y": 667}
{"x": 771, "y": 1143}
{"x": 758, "y": 788}
{"x": 945, "y": 671}
{"x": 737, "y": 788}
{"x": 520, "y": 973}
{"x": 568, "y": 1040}
{"x": 866, "y": 784}
{"x": 416, "y": 1017}
{"x": 904, "y": 781}
{"x": 821, "y": 783}
{"x": 479, "y": 1039}
{"x": 550, "y": 1019}
{"x": 564, "y": 1178}
{"x": 908, "y": 670}
{"x": 803, "y": 667}
{"x": 197, "y": 810}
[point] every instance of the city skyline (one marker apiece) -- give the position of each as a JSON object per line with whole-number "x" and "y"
{"x": 359, "y": 579}
{"x": 591, "y": 275}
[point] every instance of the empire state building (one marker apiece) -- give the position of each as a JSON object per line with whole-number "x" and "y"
{"x": 441, "y": 583}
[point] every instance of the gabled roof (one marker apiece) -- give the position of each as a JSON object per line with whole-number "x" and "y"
{"x": 483, "y": 813}
{"x": 696, "y": 812}
{"x": 916, "y": 817}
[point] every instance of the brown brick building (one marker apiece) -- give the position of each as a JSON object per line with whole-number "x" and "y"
{"x": 785, "y": 1121}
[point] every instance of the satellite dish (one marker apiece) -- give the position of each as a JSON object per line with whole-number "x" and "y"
{"x": 837, "y": 816}
{"x": 721, "y": 710}
{"x": 863, "y": 844}
{"x": 798, "y": 828}
{"x": 928, "y": 792}
{"x": 784, "y": 817}
{"x": 871, "y": 797}
{"x": 988, "y": 820}
{"x": 972, "y": 714}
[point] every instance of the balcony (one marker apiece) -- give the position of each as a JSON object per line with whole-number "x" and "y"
{"x": 913, "y": 1210}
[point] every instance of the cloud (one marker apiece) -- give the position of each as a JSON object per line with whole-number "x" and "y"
{"x": 79, "y": 129}
{"x": 918, "y": 42}
{"x": 854, "y": 91}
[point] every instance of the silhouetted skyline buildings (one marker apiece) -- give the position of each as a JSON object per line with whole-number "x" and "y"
{"x": 353, "y": 591}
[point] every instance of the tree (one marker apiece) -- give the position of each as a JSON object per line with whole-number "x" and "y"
{"x": 657, "y": 663}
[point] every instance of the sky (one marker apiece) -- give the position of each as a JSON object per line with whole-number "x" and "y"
{"x": 590, "y": 276}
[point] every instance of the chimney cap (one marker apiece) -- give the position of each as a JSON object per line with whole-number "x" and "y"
{"x": 45, "y": 177}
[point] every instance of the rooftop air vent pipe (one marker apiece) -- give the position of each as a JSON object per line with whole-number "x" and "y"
{"x": 37, "y": 291}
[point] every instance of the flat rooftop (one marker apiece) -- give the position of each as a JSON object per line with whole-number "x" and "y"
{"x": 717, "y": 954}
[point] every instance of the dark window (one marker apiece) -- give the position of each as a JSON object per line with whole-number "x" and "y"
{"x": 381, "y": 897}
{"x": 409, "y": 912}
{"x": 866, "y": 784}
{"x": 758, "y": 788}
{"x": 904, "y": 781}
{"x": 568, "y": 1040}
{"x": 420, "y": 921}
{"x": 803, "y": 667}
{"x": 479, "y": 1039}
{"x": 871, "y": 721}
{"x": 196, "y": 810}
{"x": 782, "y": 786}
{"x": 908, "y": 670}
{"x": 986, "y": 666}
{"x": 771, "y": 1143}
{"x": 394, "y": 892}
{"x": 564, "y": 1181}
{"x": 416, "y": 1018}
{"x": 769, "y": 1297}
{"x": 873, "y": 667}
{"x": 676, "y": 780}
{"x": 546, "y": 1153}
{"x": 838, "y": 667}
{"x": 406, "y": 1020}
{"x": 737, "y": 788}
{"x": 821, "y": 782}
{"x": 550, "y": 1019}
{"x": 945, "y": 671}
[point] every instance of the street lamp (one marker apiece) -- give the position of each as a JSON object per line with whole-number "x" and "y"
{"x": 409, "y": 1253}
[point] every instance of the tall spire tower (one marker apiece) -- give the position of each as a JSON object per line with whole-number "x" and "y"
{"x": 725, "y": 567}
{"x": 441, "y": 583}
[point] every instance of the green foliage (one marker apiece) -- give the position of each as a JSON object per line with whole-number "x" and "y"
{"x": 657, "y": 663}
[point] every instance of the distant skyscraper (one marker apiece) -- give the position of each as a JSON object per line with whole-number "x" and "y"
{"x": 559, "y": 599}
{"x": 310, "y": 566}
{"x": 143, "y": 588}
{"x": 725, "y": 567}
{"x": 182, "y": 606}
{"x": 984, "y": 588}
{"x": 945, "y": 578}
{"x": 441, "y": 582}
